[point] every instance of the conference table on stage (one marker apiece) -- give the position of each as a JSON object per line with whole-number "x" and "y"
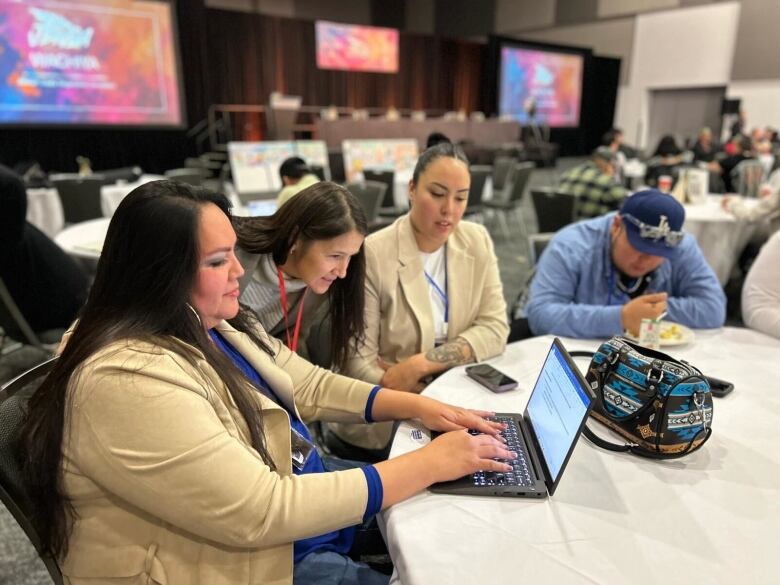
{"x": 480, "y": 132}
{"x": 710, "y": 517}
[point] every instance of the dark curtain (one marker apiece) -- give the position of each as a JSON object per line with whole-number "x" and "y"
{"x": 251, "y": 55}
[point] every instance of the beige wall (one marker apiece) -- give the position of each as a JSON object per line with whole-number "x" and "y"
{"x": 610, "y": 8}
{"x": 757, "y": 54}
{"x": 350, "y": 11}
{"x": 517, "y": 15}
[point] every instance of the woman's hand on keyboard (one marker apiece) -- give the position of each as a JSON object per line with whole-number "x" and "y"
{"x": 459, "y": 453}
{"x": 440, "y": 416}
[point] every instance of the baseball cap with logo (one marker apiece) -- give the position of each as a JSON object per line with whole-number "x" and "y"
{"x": 653, "y": 222}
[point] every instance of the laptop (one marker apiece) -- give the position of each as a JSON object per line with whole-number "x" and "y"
{"x": 543, "y": 437}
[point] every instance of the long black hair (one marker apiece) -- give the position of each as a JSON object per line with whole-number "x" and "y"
{"x": 141, "y": 291}
{"x": 322, "y": 211}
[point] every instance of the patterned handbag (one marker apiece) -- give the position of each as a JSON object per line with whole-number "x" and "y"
{"x": 661, "y": 405}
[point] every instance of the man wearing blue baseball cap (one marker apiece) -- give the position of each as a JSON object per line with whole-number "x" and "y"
{"x": 600, "y": 277}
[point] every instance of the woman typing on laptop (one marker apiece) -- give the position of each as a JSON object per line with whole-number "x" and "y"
{"x": 167, "y": 444}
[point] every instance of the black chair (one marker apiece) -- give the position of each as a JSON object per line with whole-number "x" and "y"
{"x": 536, "y": 245}
{"x": 503, "y": 167}
{"x": 16, "y": 326}
{"x": 80, "y": 196}
{"x": 317, "y": 170}
{"x": 336, "y": 164}
{"x": 13, "y": 401}
{"x": 553, "y": 210}
{"x": 370, "y": 195}
{"x": 479, "y": 175}
{"x": 387, "y": 178}
{"x": 520, "y": 175}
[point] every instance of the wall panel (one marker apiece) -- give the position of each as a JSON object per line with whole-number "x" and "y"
{"x": 517, "y": 15}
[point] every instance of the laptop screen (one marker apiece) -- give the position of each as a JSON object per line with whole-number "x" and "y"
{"x": 557, "y": 409}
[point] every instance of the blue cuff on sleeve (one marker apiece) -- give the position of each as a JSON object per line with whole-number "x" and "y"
{"x": 370, "y": 403}
{"x": 375, "y": 491}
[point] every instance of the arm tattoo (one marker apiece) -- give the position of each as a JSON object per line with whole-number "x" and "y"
{"x": 456, "y": 352}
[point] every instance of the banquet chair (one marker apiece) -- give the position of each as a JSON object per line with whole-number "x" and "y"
{"x": 504, "y": 206}
{"x": 370, "y": 195}
{"x": 479, "y": 176}
{"x": 13, "y": 401}
{"x": 317, "y": 170}
{"x": 336, "y": 164}
{"x": 16, "y": 327}
{"x": 554, "y": 210}
{"x": 503, "y": 168}
{"x": 747, "y": 177}
{"x": 80, "y": 195}
{"x": 536, "y": 245}
{"x": 387, "y": 178}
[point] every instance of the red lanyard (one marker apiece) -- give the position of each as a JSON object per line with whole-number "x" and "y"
{"x": 293, "y": 345}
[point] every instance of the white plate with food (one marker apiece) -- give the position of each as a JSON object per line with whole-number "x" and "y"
{"x": 671, "y": 334}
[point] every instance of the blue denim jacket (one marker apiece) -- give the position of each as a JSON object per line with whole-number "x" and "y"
{"x": 574, "y": 291}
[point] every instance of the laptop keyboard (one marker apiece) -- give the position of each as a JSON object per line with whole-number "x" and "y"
{"x": 521, "y": 474}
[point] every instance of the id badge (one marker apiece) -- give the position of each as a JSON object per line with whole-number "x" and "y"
{"x": 301, "y": 449}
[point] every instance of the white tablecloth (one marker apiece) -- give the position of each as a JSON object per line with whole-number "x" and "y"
{"x": 85, "y": 239}
{"x": 44, "y": 210}
{"x": 720, "y": 235}
{"x": 710, "y": 517}
{"x": 111, "y": 195}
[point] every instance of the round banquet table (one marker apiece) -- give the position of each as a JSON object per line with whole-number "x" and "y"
{"x": 44, "y": 210}
{"x": 720, "y": 235}
{"x": 710, "y": 517}
{"x": 84, "y": 239}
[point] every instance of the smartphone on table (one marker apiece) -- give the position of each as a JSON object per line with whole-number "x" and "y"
{"x": 491, "y": 378}
{"x": 719, "y": 388}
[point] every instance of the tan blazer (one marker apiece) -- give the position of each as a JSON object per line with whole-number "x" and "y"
{"x": 167, "y": 490}
{"x": 399, "y": 321}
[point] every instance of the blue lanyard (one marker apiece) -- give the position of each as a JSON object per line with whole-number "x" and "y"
{"x": 437, "y": 288}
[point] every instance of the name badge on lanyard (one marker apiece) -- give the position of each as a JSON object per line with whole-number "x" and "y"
{"x": 441, "y": 293}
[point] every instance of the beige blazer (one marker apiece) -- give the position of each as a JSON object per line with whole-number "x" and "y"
{"x": 399, "y": 320}
{"x": 167, "y": 490}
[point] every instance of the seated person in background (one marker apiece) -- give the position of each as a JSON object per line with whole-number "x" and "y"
{"x": 296, "y": 176}
{"x": 704, "y": 149}
{"x": 761, "y": 292}
{"x": 433, "y": 293}
{"x": 594, "y": 185}
{"x": 665, "y": 161}
{"x": 767, "y": 209}
{"x": 435, "y": 138}
{"x": 167, "y": 443}
{"x": 306, "y": 263}
{"x": 742, "y": 149}
{"x": 45, "y": 283}
{"x": 601, "y": 277}
{"x": 614, "y": 140}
